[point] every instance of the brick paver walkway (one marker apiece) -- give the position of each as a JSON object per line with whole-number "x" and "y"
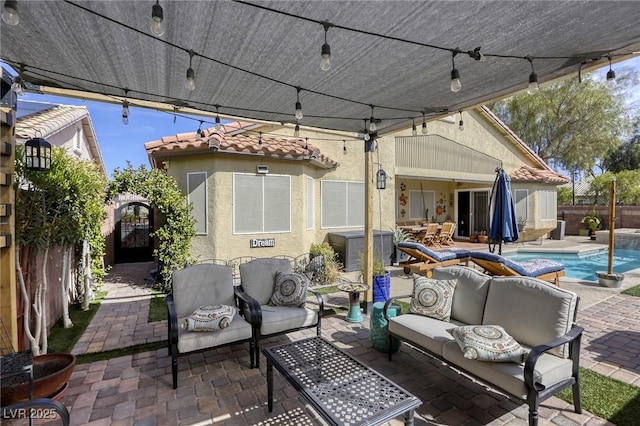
{"x": 218, "y": 387}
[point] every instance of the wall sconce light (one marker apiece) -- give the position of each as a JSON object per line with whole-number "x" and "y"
{"x": 37, "y": 154}
{"x": 381, "y": 179}
{"x": 262, "y": 169}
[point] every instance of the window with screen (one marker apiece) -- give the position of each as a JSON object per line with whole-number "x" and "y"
{"x": 261, "y": 203}
{"x": 197, "y": 197}
{"x": 342, "y": 204}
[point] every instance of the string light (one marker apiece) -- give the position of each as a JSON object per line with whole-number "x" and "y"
{"x": 533, "y": 79}
{"x": 199, "y": 132}
{"x": 298, "y": 113}
{"x": 260, "y": 138}
{"x": 344, "y": 146}
{"x": 456, "y": 85}
{"x": 611, "y": 74}
{"x": 218, "y": 125}
{"x": 190, "y": 82}
{"x": 372, "y": 122}
{"x": 366, "y": 136}
{"x": 424, "y": 124}
{"x": 414, "y": 131}
{"x": 461, "y": 123}
{"x": 306, "y": 144}
{"x": 325, "y": 53}
{"x": 125, "y": 109}
{"x": 10, "y": 12}
{"x": 296, "y": 131}
{"x": 157, "y": 16}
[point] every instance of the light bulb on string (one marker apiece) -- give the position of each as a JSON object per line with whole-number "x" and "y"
{"x": 298, "y": 114}
{"x": 456, "y": 84}
{"x": 533, "y": 79}
{"x": 424, "y": 124}
{"x": 611, "y": 75}
{"x": 10, "y": 12}
{"x": 157, "y": 18}
{"x": 325, "y": 53}
{"x": 414, "y": 131}
{"x": 365, "y": 132}
{"x": 199, "y": 132}
{"x": 18, "y": 83}
{"x": 125, "y": 109}
{"x": 344, "y": 146}
{"x": 260, "y": 138}
{"x": 218, "y": 125}
{"x": 461, "y": 123}
{"x": 372, "y": 122}
{"x": 175, "y": 116}
{"x": 190, "y": 81}
{"x": 296, "y": 130}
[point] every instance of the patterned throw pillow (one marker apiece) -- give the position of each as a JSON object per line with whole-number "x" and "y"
{"x": 209, "y": 318}
{"x": 488, "y": 343}
{"x": 290, "y": 290}
{"x": 432, "y": 298}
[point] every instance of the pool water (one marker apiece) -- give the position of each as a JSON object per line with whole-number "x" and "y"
{"x": 584, "y": 266}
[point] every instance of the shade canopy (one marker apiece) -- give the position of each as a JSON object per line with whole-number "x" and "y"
{"x": 392, "y": 60}
{"x": 504, "y": 226}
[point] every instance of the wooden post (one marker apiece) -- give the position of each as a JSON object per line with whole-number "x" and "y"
{"x": 368, "y": 222}
{"x": 612, "y": 225}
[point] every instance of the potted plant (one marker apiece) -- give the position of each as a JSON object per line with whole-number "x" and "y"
{"x": 483, "y": 238}
{"x": 593, "y": 222}
{"x": 381, "y": 281}
{"x": 399, "y": 236}
{"x": 522, "y": 224}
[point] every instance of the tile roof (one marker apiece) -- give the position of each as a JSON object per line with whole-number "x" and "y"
{"x": 230, "y": 140}
{"x": 49, "y": 121}
{"x": 530, "y": 174}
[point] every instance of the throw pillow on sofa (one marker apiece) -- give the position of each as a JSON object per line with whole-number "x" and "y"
{"x": 290, "y": 290}
{"x": 488, "y": 343}
{"x": 209, "y": 318}
{"x": 432, "y": 298}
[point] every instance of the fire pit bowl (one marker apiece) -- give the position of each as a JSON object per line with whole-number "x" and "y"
{"x": 51, "y": 373}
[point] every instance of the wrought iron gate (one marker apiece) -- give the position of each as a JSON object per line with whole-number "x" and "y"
{"x": 134, "y": 225}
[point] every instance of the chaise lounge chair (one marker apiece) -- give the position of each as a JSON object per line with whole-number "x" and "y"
{"x": 495, "y": 264}
{"x": 423, "y": 259}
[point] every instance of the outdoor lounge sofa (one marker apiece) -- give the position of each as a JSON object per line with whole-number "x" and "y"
{"x": 197, "y": 286}
{"x": 422, "y": 259}
{"x": 495, "y": 264}
{"x": 539, "y": 316}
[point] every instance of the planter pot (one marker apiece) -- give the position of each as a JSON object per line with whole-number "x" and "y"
{"x": 51, "y": 373}
{"x": 381, "y": 286}
{"x": 609, "y": 280}
{"x": 483, "y": 239}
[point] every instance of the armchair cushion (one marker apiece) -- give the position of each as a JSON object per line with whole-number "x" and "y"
{"x": 238, "y": 330}
{"x": 432, "y": 298}
{"x": 258, "y": 277}
{"x": 487, "y": 343}
{"x": 202, "y": 284}
{"x": 290, "y": 290}
{"x": 276, "y": 319}
{"x": 209, "y": 318}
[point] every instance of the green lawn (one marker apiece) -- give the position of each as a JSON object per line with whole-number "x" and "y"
{"x": 157, "y": 307}
{"x": 632, "y": 291}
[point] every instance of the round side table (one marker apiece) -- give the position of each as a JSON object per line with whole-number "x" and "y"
{"x": 354, "y": 290}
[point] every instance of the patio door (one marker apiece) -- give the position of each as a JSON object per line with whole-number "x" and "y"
{"x": 472, "y": 212}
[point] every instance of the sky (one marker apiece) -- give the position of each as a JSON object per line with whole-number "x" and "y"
{"x": 121, "y": 143}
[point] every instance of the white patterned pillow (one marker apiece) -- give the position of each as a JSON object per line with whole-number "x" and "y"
{"x": 488, "y": 343}
{"x": 290, "y": 290}
{"x": 209, "y": 318}
{"x": 432, "y": 298}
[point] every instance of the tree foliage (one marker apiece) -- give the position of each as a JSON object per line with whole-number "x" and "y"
{"x": 627, "y": 156}
{"x": 177, "y": 226}
{"x": 570, "y": 125}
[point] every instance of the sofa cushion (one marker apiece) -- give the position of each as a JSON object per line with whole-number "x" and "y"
{"x": 290, "y": 290}
{"x": 280, "y": 318}
{"x": 209, "y": 318}
{"x": 470, "y": 295}
{"x": 258, "y": 277}
{"x": 487, "y": 343}
{"x": 509, "y": 376}
{"x": 239, "y": 329}
{"x": 426, "y": 332}
{"x": 432, "y": 298}
{"x": 532, "y": 311}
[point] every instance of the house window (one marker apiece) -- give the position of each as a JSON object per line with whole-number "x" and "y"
{"x": 548, "y": 209}
{"x": 522, "y": 204}
{"x": 419, "y": 202}
{"x": 342, "y": 204}
{"x": 77, "y": 142}
{"x": 261, "y": 203}
{"x": 197, "y": 196}
{"x": 310, "y": 206}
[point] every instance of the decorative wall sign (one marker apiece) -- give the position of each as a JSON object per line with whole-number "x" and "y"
{"x": 262, "y": 242}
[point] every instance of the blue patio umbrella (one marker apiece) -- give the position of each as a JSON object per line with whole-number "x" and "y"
{"x": 504, "y": 227}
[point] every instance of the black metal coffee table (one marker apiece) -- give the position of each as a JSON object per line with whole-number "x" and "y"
{"x": 338, "y": 386}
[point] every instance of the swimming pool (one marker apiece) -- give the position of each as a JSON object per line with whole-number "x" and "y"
{"x": 583, "y": 266}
